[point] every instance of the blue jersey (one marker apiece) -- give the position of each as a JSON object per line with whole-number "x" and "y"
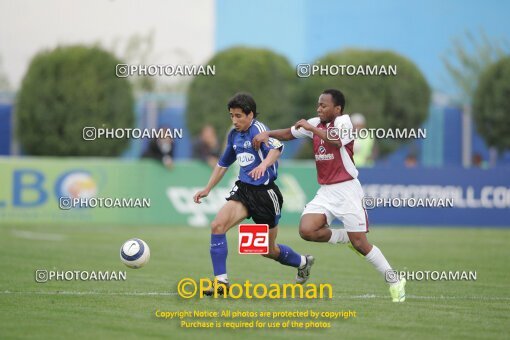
{"x": 239, "y": 148}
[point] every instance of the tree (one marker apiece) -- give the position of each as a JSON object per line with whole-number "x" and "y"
{"x": 65, "y": 90}
{"x": 491, "y": 104}
{"x": 386, "y": 101}
{"x": 265, "y": 74}
{"x": 468, "y": 58}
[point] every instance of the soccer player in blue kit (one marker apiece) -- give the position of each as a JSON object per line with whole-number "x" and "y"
{"x": 254, "y": 195}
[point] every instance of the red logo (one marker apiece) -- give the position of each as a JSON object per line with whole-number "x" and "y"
{"x": 253, "y": 239}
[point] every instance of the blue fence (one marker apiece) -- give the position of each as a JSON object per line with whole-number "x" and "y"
{"x": 5, "y": 128}
{"x": 442, "y": 147}
{"x": 480, "y": 197}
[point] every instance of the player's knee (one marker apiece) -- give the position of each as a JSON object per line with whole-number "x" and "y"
{"x": 306, "y": 234}
{"x": 218, "y": 227}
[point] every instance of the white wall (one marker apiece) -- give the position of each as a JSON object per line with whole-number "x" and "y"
{"x": 183, "y": 29}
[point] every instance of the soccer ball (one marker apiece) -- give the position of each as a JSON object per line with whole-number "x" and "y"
{"x": 135, "y": 253}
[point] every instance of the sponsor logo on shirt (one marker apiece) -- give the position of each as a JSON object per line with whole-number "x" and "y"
{"x": 323, "y": 156}
{"x": 326, "y": 157}
{"x": 245, "y": 158}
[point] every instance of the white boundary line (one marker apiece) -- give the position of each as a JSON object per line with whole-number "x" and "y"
{"x": 439, "y": 297}
{"x": 64, "y": 292}
{"x": 31, "y": 235}
{"x": 351, "y": 297}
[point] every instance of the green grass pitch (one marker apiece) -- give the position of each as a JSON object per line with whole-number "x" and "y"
{"x": 126, "y": 309}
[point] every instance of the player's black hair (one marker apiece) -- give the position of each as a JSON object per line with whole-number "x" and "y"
{"x": 338, "y": 97}
{"x": 243, "y": 101}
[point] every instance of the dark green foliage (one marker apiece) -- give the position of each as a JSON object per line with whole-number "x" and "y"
{"x": 267, "y": 76}
{"x": 491, "y": 105}
{"x": 65, "y": 90}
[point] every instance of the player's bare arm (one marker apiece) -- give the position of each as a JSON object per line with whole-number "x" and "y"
{"x": 303, "y": 123}
{"x": 263, "y": 137}
{"x": 216, "y": 176}
{"x": 271, "y": 158}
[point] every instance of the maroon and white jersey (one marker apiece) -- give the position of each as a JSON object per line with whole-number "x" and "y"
{"x": 334, "y": 165}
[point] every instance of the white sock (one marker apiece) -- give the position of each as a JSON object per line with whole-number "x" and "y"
{"x": 303, "y": 261}
{"x": 339, "y": 236}
{"x": 377, "y": 259}
{"x": 222, "y": 278}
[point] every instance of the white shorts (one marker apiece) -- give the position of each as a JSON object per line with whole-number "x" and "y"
{"x": 342, "y": 201}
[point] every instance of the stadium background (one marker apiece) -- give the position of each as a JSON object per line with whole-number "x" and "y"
{"x": 441, "y": 157}
{"x": 193, "y": 32}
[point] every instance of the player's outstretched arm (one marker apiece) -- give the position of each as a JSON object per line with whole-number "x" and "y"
{"x": 263, "y": 137}
{"x": 216, "y": 176}
{"x": 272, "y": 157}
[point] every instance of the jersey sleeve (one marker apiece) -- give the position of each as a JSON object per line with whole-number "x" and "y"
{"x": 302, "y": 133}
{"x": 272, "y": 143}
{"x": 344, "y": 125}
{"x": 229, "y": 155}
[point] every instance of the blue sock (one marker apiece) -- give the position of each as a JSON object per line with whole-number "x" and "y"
{"x": 219, "y": 252}
{"x": 288, "y": 256}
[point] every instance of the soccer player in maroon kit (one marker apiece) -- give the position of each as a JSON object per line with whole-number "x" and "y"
{"x": 340, "y": 195}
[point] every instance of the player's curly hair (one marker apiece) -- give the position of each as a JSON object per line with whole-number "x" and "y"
{"x": 243, "y": 101}
{"x": 338, "y": 98}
